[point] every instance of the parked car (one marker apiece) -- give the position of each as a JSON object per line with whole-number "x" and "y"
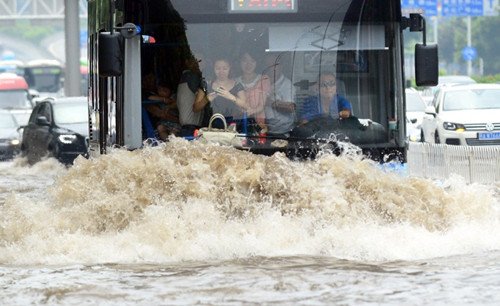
{"x": 429, "y": 93}
{"x": 464, "y": 115}
{"x": 415, "y": 110}
{"x": 9, "y": 136}
{"x": 58, "y": 127}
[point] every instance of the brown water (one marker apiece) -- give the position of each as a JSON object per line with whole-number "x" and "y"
{"x": 184, "y": 223}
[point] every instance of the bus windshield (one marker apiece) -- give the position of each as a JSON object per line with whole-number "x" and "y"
{"x": 44, "y": 78}
{"x": 289, "y": 55}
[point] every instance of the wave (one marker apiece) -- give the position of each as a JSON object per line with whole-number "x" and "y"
{"x": 189, "y": 201}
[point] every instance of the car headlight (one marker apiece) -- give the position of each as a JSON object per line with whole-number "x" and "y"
{"x": 414, "y": 138}
{"x": 453, "y": 126}
{"x": 67, "y": 138}
{"x": 14, "y": 142}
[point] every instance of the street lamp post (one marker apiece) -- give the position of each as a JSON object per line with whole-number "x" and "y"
{"x": 72, "y": 77}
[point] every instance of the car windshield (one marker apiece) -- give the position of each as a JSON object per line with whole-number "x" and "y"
{"x": 69, "y": 113}
{"x": 7, "y": 121}
{"x": 14, "y": 99}
{"x": 472, "y": 99}
{"x": 414, "y": 103}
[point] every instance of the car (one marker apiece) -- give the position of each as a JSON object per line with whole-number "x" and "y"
{"x": 415, "y": 110}
{"x": 9, "y": 136}
{"x": 58, "y": 127}
{"x": 413, "y": 133}
{"x": 429, "y": 93}
{"x": 464, "y": 115}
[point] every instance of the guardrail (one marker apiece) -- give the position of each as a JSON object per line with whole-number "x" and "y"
{"x": 476, "y": 164}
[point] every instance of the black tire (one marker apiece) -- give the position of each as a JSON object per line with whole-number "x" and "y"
{"x": 422, "y": 138}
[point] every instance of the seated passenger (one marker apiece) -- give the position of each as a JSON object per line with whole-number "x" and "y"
{"x": 256, "y": 86}
{"x": 225, "y": 95}
{"x": 328, "y": 103}
{"x": 165, "y": 114}
{"x": 320, "y": 116}
{"x": 189, "y": 87}
{"x": 280, "y": 107}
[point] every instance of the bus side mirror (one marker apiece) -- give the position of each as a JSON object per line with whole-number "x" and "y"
{"x": 110, "y": 54}
{"x": 426, "y": 65}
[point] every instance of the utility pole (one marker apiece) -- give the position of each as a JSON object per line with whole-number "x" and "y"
{"x": 72, "y": 77}
{"x": 469, "y": 44}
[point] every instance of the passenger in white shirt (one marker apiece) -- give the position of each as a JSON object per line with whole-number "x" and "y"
{"x": 280, "y": 106}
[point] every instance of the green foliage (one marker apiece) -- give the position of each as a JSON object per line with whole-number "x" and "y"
{"x": 26, "y": 31}
{"x": 452, "y": 38}
{"x": 486, "y": 39}
{"x": 488, "y": 78}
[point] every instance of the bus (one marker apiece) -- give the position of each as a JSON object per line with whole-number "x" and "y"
{"x": 44, "y": 76}
{"x": 360, "y": 42}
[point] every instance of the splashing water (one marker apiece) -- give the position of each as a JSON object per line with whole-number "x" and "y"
{"x": 187, "y": 201}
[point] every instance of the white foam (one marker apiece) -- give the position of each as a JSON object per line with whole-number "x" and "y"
{"x": 186, "y": 201}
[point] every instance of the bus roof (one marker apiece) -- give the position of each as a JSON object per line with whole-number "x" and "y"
{"x": 11, "y": 81}
{"x": 43, "y": 62}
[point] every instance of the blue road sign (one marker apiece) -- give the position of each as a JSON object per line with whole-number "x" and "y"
{"x": 429, "y": 7}
{"x": 83, "y": 38}
{"x": 469, "y": 53}
{"x": 453, "y": 8}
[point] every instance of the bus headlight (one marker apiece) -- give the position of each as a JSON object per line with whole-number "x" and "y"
{"x": 453, "y": 126}
{"x": 14, "y": 142}
{"x": 67, "y": 138}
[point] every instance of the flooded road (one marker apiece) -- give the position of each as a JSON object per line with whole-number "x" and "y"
{"x": 185, "y": 224}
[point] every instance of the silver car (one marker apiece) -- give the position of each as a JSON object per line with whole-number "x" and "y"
{"x": 464, "y": 115}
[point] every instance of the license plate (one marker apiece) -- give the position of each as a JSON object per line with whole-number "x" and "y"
{"x": 488, "y": 136}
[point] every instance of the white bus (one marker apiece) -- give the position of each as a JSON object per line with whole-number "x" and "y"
{"x": 45, "y": 76}
{"x": 359, "y": 42}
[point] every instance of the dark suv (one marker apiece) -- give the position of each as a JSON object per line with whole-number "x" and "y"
{"x": 58, "y": 127}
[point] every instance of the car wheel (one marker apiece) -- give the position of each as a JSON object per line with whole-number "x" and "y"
{"x": 54, "y": 151}
{"x": 422, "y": 138}
{"x": 436, "y": 137}
{"x": 23, "y": 150}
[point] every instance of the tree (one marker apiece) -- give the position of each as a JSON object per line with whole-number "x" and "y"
{"x": 486, "y": 39}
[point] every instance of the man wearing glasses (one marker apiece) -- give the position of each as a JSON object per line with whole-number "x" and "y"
{"x": 328, "y": 103}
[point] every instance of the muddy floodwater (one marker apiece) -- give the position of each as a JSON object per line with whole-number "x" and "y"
{"x": 184, "y": 224}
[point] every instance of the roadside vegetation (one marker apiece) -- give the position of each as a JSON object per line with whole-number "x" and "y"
{"x": 23, "y": 29}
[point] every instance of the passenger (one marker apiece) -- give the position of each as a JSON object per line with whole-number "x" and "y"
{"x": 324, "y": 111}
{"x": 225, "y": 95}
{"x": 148, "y": 86}
{"x": 165, "y": 113}
{"x": 280, "y": 107}
{"x": 257, "y": 87}
{"x": 190, "y": 85}
{"x": 329, "y": 103}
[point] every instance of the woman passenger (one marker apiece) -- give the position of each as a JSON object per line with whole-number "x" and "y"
{"x": 257, "y": 87}
{"x": 225, "y": 95}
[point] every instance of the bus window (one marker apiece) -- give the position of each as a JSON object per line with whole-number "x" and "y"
{"x": 357, "y": 42}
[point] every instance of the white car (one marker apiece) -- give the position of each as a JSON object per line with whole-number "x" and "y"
{"x": 464, "y": 115}
{"x": 415, "y": 110}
